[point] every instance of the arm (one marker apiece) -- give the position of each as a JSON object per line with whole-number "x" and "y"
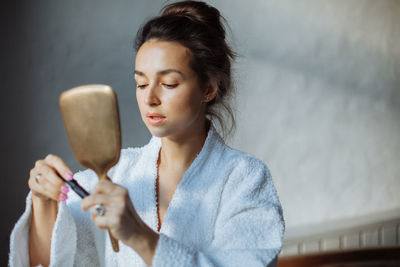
{"x": 62, "y": 237}
{"x": 49, "y": 232}
{"x": 47, "y": 189}
{"x": 44, "y": 214}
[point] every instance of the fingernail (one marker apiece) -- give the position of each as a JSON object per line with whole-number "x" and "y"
{"x": 65, "y": 189}
{"x": 69, "y": 176}
{"x": 63, "y": 197}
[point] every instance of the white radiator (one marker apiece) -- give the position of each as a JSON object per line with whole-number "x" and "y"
{"x": 381, "y": 229}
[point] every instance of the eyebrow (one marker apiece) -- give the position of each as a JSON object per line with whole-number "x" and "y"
{"x": 161, "y": 72}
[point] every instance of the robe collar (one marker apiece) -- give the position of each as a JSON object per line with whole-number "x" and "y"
{"x": 212, "y": 142}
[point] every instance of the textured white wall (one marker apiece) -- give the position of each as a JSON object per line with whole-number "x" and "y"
{"x": 319, "y": 101}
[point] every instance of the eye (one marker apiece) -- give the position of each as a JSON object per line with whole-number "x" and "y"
{"x": 141, "y": 86}
{"x": 170, "y": 86}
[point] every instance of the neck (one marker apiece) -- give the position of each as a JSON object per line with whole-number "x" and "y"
{"x": 179, "y": 153}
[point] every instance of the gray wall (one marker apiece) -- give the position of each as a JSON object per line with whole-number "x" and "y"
{"x": 319, "y": 102}
{"x": 318, "y": 94}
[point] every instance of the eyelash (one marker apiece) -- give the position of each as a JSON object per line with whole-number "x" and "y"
{"x": 169, "y": 86}
{"x": 141, "y": 86}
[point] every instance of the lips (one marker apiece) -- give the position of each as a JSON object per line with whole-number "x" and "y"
{"x": 155, "y": 118}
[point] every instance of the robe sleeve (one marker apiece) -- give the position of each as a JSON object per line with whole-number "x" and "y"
{"x": 72, "y": 241}
{"x": 249, "y": 226}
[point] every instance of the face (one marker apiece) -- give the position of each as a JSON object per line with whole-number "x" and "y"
{"x": 168, "y": 93}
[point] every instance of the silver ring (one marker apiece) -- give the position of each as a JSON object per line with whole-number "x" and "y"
{"x": 37, "y": 177}
{"x": 100, "y": 210}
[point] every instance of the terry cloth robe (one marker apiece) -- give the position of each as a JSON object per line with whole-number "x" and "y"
{"x": 224, "y": 212}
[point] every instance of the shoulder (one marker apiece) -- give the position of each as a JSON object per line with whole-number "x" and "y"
{"x": 237, "y": 166}
{"x": 232, "y": 159}
{"x": 248, "y": 190}
{"x": 244, "y": 163}
{"x": 248, "y": 177}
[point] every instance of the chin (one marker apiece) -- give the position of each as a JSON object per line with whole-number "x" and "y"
{"x": 157, "y": 131}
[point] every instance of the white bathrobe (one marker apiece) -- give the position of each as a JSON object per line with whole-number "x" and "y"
{"x": 224, "y": 212}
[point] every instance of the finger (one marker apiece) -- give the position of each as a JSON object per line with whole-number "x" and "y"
{"x": 51, "y": 181}
{"x": 49, "y": 173}
{"x": 59, "y": 165}
{"x": 44, "y": 187}
{"x": 102, "y": 222}
{"x": 104, "y": 187}
{"x": 117, "y": 208}
{"x": 93, "y": 200}
{"x": 107, "y": 221}
{"x": 94, "y": 214}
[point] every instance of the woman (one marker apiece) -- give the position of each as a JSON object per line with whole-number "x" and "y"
{"x": 184, "y": 199}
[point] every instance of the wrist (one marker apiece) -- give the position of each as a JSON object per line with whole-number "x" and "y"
{"x": 43, "y": 207}
{"x": 39, "y": 198}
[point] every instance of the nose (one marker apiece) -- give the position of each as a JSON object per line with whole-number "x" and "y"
{"x": 152, "y": 95}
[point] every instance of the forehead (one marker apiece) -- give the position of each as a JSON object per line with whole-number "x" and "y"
{"x": 155, "y": 55}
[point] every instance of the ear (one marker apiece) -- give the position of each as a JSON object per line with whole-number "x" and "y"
{"x": 211, "y": 90}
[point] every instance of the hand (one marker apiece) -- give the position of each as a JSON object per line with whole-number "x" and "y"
{"x": 121, "y": 218}
{"x": 44, "y": 180}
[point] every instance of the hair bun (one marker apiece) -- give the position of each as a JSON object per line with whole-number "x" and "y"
{"x": 198, "y": 12}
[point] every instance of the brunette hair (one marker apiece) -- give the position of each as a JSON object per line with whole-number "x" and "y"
{"x": 198, "y": 26}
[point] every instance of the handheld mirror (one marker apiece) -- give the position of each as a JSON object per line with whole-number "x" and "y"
{"x": 91, "y": 119}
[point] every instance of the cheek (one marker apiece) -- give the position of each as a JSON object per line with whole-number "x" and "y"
{"x": 138, "y": 97}
{"x": 184, "y": 104}
{"x": 139, "y": 100}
